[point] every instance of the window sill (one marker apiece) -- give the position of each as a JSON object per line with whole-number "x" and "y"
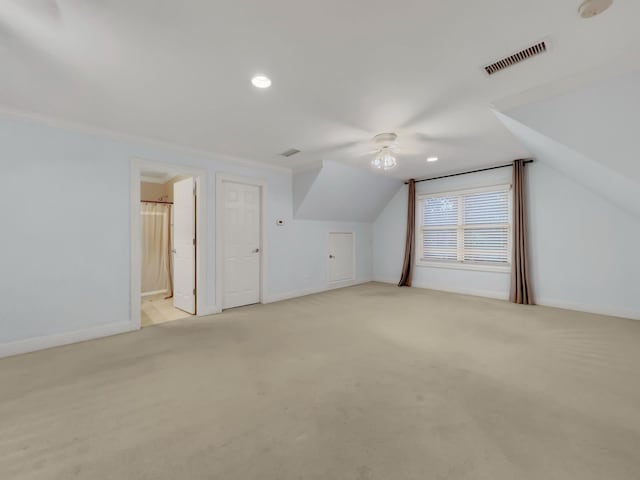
{"x": 465, "y": 266}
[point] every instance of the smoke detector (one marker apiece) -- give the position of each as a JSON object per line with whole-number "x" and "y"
{"x": 591, "y": 8}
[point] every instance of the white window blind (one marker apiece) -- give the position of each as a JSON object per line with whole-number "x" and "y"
{"x": 440, "y": 228}
{"x": 470, "y": 227}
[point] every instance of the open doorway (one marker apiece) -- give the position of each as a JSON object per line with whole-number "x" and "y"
{"x": 168, "y": 243}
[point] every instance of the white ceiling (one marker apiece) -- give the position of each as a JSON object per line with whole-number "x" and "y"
{"x": 342, "y": 71}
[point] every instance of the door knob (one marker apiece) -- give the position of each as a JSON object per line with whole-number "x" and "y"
{"x": 173, "y": 250}
{"x": 331, "y": 256}
{"x": 257, "y": 250}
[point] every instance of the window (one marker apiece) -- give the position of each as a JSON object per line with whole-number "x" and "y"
{"x": 470, "y": 229}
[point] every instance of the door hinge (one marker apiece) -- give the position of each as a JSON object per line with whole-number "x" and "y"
{"x": 195, "y": 189}
{"x": 194, "y": 291}
{"x": 194, "y": 241}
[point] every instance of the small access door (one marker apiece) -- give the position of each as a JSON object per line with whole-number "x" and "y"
{"x": 341, "y": 257}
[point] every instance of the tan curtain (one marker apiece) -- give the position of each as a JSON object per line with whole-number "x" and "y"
{"x": 520, "y": 283}
{"x": 156, "y": 270}
{"x": 409, "y": 246}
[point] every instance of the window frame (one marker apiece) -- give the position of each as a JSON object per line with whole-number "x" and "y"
{"x": 460, "y": 228}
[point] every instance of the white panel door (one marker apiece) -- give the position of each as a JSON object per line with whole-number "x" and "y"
{"x": 241, "y": 244}
{"x": 184, "y": 246}
{"x": 340, "y": 257}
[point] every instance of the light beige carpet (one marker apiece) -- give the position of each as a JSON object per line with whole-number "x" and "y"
{"x": 369, "y": 382}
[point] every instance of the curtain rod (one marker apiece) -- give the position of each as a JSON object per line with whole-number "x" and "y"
{"x": 156, "y": 201}
{"x": 470, "y": 171}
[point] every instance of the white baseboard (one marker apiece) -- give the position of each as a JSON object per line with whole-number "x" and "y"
{"x": 545, "y": 302}
{"x": 40, "y": 343}
{"x": 212, "y": 310}
{"x": 278, "y": 297}
{"x": 598, "y": 310}
{"x": 392, "y": 281}
{"x": 461, "y": 291}
{"x": 44, "y": 342}
{"x": 49, "y": 341}
{"x": 468, "y": 291}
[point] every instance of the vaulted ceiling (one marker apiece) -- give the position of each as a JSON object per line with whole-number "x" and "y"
{"x": 342, "y": 71}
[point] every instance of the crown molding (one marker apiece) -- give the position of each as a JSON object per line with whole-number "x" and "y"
{"x": 138, "y": 139}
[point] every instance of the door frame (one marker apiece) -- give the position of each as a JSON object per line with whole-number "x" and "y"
{"x": 221, "y": 178}
{"x": 338, "y": 283}
{"x": 200, "y": 178}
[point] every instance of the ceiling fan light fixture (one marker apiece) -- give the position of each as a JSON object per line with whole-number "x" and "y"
{"x": 384, "y": 160}
{"x": 432, "y": 159}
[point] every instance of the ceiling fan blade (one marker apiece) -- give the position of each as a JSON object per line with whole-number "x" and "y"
{"x": 351, "y": 150}
{"x": 422, "y": 142}
{"x": 336, "y": 147}
{"x": 422, "y": 137}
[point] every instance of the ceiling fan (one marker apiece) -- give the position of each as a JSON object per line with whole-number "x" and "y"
{"x": 403, "y": 138}
{"x": 382, "y": 149}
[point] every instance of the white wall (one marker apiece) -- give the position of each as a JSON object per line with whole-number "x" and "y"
{"x": 65, "y": 222}
{"x": 583, "y": 248}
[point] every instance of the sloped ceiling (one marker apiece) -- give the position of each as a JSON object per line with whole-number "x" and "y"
{"x": 596, "y": 176}
{"x": 335, "y": 191}
{"x": 590, "y": 134}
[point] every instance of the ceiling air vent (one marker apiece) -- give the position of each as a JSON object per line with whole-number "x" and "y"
{"x": 290, "y": 153}
{"x": 521, "y": 56}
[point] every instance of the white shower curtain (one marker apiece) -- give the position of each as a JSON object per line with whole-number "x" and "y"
{"x": 156, "y": 244}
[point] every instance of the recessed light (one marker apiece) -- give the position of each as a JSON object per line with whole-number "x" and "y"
{"x": 261, "y": 81}
{"x": 432, "y": 159}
